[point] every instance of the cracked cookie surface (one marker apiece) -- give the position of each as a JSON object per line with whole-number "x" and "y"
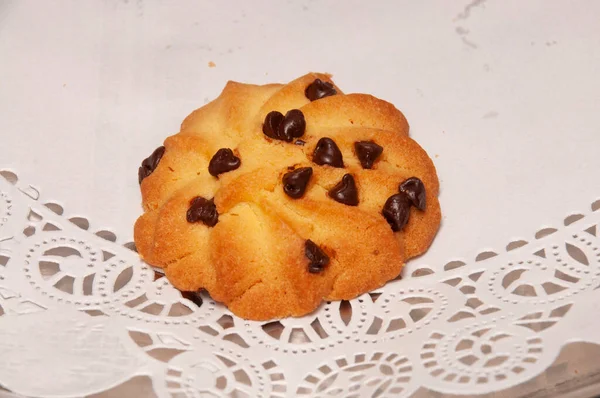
{"x": 276, "y": 197}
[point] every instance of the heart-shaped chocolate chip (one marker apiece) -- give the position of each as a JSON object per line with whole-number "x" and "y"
{"x": 397, "y": 210}
{"x": 292, "y": 126}
{"x": 367, "y": 152}
{"x": 202, "y": 210}
{"x": 319, "y": 89}
{"x": 415, "y": 190}
{"x": 317, "y": 258}
{"x": 345, "y": 191}
{"x": 223, "y": 161}
{"x": 271, "y": 124}
{"x": 150, "y": 163}
{"x": 295, "y": 182}
{"x": 284, "y": 128}
{"x": 327, "y": 152}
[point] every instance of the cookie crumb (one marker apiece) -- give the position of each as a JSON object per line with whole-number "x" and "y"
{"x": 211, "y": 64}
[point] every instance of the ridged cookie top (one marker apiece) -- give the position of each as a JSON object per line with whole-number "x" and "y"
{"x": 276, "y": 197}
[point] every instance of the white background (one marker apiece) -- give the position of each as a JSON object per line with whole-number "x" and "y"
{"x": 504, "y": 95}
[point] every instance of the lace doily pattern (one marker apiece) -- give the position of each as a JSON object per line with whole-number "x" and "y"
{"x": 80, "y": 311}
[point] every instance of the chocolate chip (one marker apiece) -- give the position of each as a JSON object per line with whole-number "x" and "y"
{"x": 202, "y": 210}
{"x": 284, "y": 128}
{"x": 300, "y": 142}
{"x": 319, "y": 89}
{"x": 295, "y": 182}
{"x": 345, "y": 191}
{"x": 194, "y": 297}
{"x": 317, "y": 258}
{"x": 367, "y": 152}
{"x": 327, "y": 152}
{"x": 415, "y": 190}
{"x": 397, "y": 210}
{"x": 292, "y": 126}
{"x": 271, "y": 124}
{"x": 223, "y": 161}
{"x": 150, "y": 163}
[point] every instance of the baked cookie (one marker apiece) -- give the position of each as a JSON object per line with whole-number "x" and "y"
{"x": 276, "y": 197}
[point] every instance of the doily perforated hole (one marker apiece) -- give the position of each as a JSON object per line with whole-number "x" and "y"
{"x": 460, "y": 315}
{"x": 422, "y": 272}
{"x": 453, "y": 265}
{"x": 10, "y": 176}
{"x": 81, "y": 222}
{"x": 51, "y": 227}
{"x": 179, "y": 309}
{"x": 123, "y": 279}
{"x": 208, "y": 330}
{"x": 106, "y": 255}
{"x": 346, "y": 311}
{"x": 137, "y": 301}
{"x": 226, "y": 321}
{"x": 572, "y": 218}
{"x": 236, "y": 339}
{"x": 4, "y": 260}
{"x": 273, "y": 329}
{"x": 55, "y": 208}
{"x": 153, "y": 309}
{"x": 164, "y": 354}
{"x": 95, "y": 313}
{"x": 317, "y": 327}
{"x": 485, "y": 255}
{"x": 516, "y": 244}
{"x": 592, "y": 230}
{"x": 538, "y": 321}
{"x": 130, "y": 246}
{"x": 577, "y": 254}
{"x": 542, "y": 233}
{"x": 107, "y": 235}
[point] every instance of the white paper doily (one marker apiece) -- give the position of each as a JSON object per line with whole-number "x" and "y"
{"x": 84, "y": 314}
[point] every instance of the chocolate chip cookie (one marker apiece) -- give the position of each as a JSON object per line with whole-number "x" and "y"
{"x": 276, "y": 197}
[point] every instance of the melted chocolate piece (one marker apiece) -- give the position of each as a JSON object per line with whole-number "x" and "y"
{"x": 414, "y": 188}
{"x": 202, "y": 210}
{"x": 194, "y": 297}
{"x": 292, "y": 126}
{"x": 327, "y": 152}
{"x": 284, "y": 128}
{"x": 223, "y": 161}
{"x": 319, "y": 89}
{"x": 271, "y": 125}
{"x": 397, "y": 210}
{"x": 300, "y": 142}
{"x": 345, "y": 191}
{"x": 367, "y": 152}
{"x": 295, "y": 182}
{"x": 317, "y": 257}
{"x": 150, "y": 163}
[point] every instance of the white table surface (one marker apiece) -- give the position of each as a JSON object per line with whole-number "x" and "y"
{"x": 503, "y": 95}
